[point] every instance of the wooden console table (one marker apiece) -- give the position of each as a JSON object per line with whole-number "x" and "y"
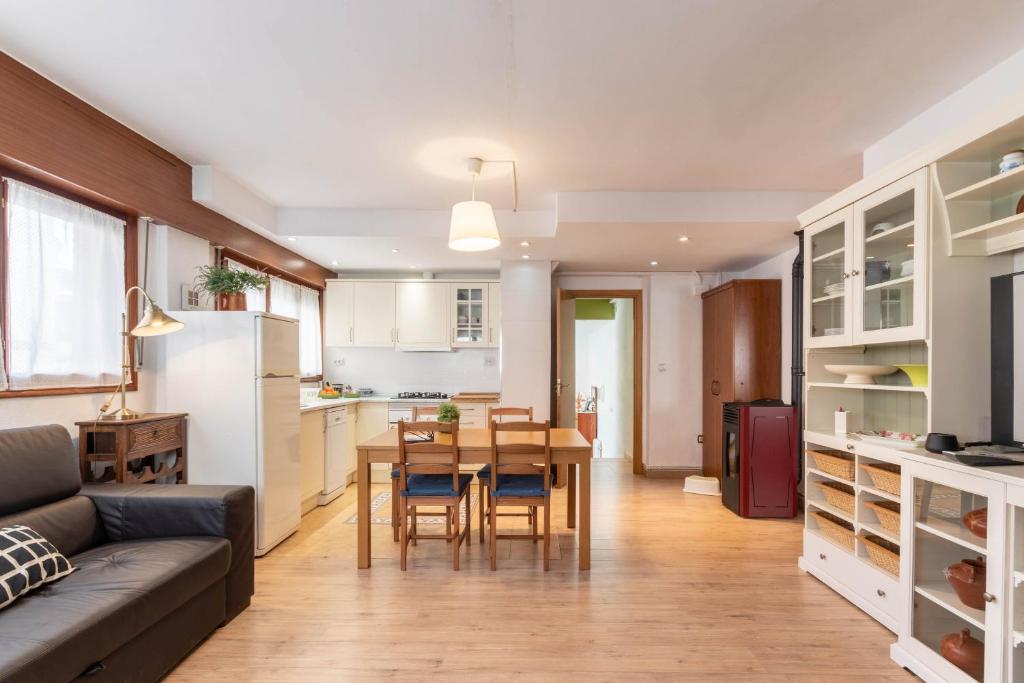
{"x": 131, "y": 447}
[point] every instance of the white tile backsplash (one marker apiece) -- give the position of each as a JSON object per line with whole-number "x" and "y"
{"x": 387, "y": 371}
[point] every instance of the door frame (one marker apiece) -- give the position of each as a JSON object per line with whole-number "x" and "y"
{"x": 637, "y": 295}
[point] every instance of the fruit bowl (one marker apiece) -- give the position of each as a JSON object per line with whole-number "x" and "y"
{"x": 861, "y": 374}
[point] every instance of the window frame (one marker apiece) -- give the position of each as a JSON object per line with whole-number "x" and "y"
{"x": 131, "y": 274}
{"x": 228, "y": 253}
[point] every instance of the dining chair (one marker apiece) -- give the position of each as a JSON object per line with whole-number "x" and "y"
{"x": 483, "y": 475}
{"x": 521, "y": 475}
{"x": 418, "y": 413}
{"x": 428, "y": 474}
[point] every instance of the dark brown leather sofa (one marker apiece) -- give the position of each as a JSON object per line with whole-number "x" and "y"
{"x": 158, "y": 567}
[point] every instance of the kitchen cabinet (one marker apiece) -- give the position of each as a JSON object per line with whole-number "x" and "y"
{"x": 371, "y": 420}
{"x": 494, "y": 314}
{"x": 473, "y": 414}
{"x": 339, "y": 325}
{"x": 422, "y": 316}
{"x": 469, "y": 314}
{"x": 311, "y": 458}
{"x": 373, "y": 313}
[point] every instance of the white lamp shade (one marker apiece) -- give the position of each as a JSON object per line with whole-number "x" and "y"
{"x": 473, "y": 227}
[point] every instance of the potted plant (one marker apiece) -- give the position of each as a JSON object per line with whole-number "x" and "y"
{"x": 446, "y": 414}
{"x": 228, "y": 285}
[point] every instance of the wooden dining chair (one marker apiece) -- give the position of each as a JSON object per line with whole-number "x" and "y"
{"x": 483, "y": 475}
{"x": 428, "y": 474}
{"x": 418, "y": 413}
{"x": 521, "y": 476}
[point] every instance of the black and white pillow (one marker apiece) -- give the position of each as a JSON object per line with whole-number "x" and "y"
{"x": 27, "y": 561}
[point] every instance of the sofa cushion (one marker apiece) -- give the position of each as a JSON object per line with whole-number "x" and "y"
{"x": 72, "y": 524}
{"x": 39, "y": 466}
{"x": 118, "y": 591}
{"x": 27, "y": 561}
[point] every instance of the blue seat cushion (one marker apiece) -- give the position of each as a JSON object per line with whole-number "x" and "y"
{"x": 484, "y": 473}
{"x": 435, "y": 485}
{"x": 395, "y": 473}
{"x": 520, "y": 485}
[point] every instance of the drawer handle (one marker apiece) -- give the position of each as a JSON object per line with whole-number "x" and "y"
{"x": 989, "y": 597}
{"x": 881, "y": 593}
{"x": 822, "y": 556}
{"x": 849, "y": 446}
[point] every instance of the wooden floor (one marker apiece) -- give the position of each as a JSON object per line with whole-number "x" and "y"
{"x": 681, "y": 590}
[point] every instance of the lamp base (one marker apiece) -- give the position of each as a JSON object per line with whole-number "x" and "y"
{"x": 122, "y": 414}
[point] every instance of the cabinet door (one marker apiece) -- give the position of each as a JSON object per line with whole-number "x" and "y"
{"x": 725, "y": 345}
{"x": 422, "y": 315}
{"x": 373, "y": 313}
{"x": 469, "y": 314}
{"x": 494, "y": 314}
{"x": 828, "y": 292}
{"x": 350, "y": 442}
{"x": 338, "y": 326}
{"x": 889, "y": 275}
{"x": 711, "y": 387}
{"x": 311, "y": 453}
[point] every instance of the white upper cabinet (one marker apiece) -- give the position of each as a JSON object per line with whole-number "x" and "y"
{"x": 469, "y": 314}
{"x": 493, "y": 314}
{"x": 338, "y": 309}
{"x": 373, "y": 313}
{"x": 828, "y": 260}
{"x": 422, "y": 315}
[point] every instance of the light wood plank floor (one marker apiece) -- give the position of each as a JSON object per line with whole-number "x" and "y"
{"x": 681, "y": 590}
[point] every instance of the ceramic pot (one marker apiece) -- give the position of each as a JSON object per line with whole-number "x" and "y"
{"x": 444, "y": 433}
{"x": 967, "y": 578}
{"x": 231, "y": 302}
{"x": 976, "y": 522}
{"x": 966, "y": 652}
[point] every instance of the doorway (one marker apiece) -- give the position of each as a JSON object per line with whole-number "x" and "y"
{"x": 598, "y": 370}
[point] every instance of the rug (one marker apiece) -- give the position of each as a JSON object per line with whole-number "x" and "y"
{"x": 382, "y": 502}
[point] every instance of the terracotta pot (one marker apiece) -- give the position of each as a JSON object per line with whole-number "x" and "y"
{"x": 444, "y": 433}
{"x": 966, "y": 652}
{"x": 231, "y": 302}
{"x": 976, "y": 522}
{"x": 968, "y": 580}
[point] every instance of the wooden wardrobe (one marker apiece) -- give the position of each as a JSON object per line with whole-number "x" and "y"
{"x": 742, "y": 354}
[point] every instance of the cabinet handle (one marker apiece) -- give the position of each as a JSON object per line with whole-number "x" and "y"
{"x": 854, "y": 272}
{"x": 453, "y": 335}
{"x": 989, "y": 597}
{"x": 881, "y": 593}
{"x": 398, "y": 334}
{"x": 849, "y": 446}
{"x": 716, "y": 387}
{"x": 351, "y": 335}
{"x": 846, "y": 276}
{"x": 822, "y": 556}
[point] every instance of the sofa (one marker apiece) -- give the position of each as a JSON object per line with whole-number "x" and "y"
{"x": 158, "y": 567}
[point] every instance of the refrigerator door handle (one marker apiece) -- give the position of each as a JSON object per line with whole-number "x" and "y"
{"x": 271, "y": 375}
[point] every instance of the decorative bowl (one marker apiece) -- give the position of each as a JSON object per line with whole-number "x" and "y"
{"x": 861, "y": 374}
{"x": 917, "y": 372}
{"x": 976, "y": 522}
{"x": 967, "y": 579}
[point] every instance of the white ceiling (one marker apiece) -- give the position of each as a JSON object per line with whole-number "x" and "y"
{"x": 376, "y": 103}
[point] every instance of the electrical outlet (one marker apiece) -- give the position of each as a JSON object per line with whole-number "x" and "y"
{"x": 700, "y": 438}
{"x": 339, "y": 362}
{"x": 489, "y": 361}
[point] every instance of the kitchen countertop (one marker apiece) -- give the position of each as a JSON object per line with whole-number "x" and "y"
{"x": 324, "y": 403}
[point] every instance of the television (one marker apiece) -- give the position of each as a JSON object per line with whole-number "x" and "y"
{"x": 1008, "y": 359}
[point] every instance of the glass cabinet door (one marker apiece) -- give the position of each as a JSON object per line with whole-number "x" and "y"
{"x": 827, "y": 265}
{"x": 891, "y": 256}
{"x": 469, "y": 314}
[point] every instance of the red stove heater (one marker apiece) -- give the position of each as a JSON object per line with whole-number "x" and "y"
{"x": 759, "y": 459}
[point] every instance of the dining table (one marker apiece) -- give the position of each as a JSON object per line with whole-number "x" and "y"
{"x": 568, "y": 447}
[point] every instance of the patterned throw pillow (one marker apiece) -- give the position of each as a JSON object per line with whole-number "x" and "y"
{"x": 27, "y": 561}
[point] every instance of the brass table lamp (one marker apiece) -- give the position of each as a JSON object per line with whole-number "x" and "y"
{"x": 154, "y": 323}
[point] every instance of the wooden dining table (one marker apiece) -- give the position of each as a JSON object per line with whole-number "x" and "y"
{"x": 568, "y": 447}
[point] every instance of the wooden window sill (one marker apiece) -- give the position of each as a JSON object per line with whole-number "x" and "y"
{"x": 62, "y": 391}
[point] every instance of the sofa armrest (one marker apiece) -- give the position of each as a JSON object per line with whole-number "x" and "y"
{"x": 133, "y": 511}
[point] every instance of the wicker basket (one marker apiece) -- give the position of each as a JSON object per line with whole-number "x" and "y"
{"x": 836, "y": 463}
{"x": 838, "y": 496}
{"x": 837, "y": 530}
{"x": 888, "y": 514}
{"x": 884, "y": 476}
{"x": 882, "y": 553}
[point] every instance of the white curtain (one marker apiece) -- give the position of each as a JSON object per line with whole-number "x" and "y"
{"x": 303, "y": 303}
{"x": 65, "y": 286}
{"x": 255, "y": 299}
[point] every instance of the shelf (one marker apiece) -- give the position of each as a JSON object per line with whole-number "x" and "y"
{"x": 869, "y": 387}
{"x": 998, "y": 228}
{"x": 997, "y": 186}
{"x": 951, "y": 530}
{"x": 828, "y": 540}
{"x": 828, "y": 297}
{"x": 825, "y": 507}
{"x": 881, "y": 494}
{"x": 942, "y": 594}
{"x": 833, "y": 477}
{"x": 879, "y": 531}
{"x": 889, "y": 234}
{"x": 890, "y": 283}
{"x": 827, "y": 256}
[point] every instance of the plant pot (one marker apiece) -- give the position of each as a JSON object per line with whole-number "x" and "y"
{"x": 966, "y": 652}
{"x": 231, "y": 302}
{"x": 967, "y": 578}
{"x": 976, "y": 522}
{"x": 443, "y": 434}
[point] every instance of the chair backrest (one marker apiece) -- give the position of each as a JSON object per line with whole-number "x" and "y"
{"x": 421, "y": 412}
{"x": 520, "y": 448}
{"x": 493, "y": 413}
{"x": 427, "y": 456}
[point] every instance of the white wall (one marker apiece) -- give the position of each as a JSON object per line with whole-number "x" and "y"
{"x": 604, "y": 359}
{"x": 624, "y": 367}
{"x": 388, "y": 371}
{"x": 526, "y": 335}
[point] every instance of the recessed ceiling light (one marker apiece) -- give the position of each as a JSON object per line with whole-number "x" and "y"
{"x": 291, "y": 239}
{"x": 334, "y": 263}
{"x": 524, "y": 243}
{"x": 526, "y": 256}
{"x": 413, "y": 267}
{"x": 684, "y": 238}
{"x": 394, "y": 251}
{"x": 654, "y": 263}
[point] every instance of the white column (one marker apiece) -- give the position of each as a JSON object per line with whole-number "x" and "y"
{"x": 526, "y": 335}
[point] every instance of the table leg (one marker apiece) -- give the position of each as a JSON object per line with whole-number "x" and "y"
{"x": 584, "y": 531}
{"x": 363, "y": 509}
{"x": 570, "y": 512}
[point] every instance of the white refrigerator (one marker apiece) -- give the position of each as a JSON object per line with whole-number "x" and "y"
{"x": 237, "y": 376}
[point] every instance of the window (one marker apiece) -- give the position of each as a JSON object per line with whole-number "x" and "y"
{"x": 63, "y": 264}
{"x": 296, "y": 301}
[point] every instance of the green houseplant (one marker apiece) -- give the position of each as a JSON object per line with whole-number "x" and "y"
{"x": 446, "y": 414}
{"x": 228, "y": 286}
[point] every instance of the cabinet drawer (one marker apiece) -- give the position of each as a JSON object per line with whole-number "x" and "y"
{"x": 154, "y": 437}
{"x": 336, "y": 416}
{"x": 870, "y": 584}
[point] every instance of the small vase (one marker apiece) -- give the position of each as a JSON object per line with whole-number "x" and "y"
{"x": 231, "y": 302}
{"x": 966, "y": 652}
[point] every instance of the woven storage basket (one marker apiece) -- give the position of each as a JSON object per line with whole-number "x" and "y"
{"x": 882, "y": 553}
{"x": 884, "y": 476}
{"x": 838, "y": 496}
{"x": 837, "y": 530}
{"x": 888, "y": 514}
{"x": 836, "y": 463}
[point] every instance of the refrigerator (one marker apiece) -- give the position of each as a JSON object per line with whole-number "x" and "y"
{"x": 236, "y": 374}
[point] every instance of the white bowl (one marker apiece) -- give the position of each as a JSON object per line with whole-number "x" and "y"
{"x": 861, "y": 374}
{"x": 879, "y": 228}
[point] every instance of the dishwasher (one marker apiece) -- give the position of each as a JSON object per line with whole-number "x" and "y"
{"x": 335, "y": 465}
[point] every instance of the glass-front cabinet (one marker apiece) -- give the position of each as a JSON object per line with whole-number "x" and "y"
{"x": 865, "y": 268}
{"x": 1014, "y": 644}
{"x": 469, "y": 314}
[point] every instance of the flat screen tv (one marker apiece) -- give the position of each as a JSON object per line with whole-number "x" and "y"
{"x": 1008, "y": 359}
